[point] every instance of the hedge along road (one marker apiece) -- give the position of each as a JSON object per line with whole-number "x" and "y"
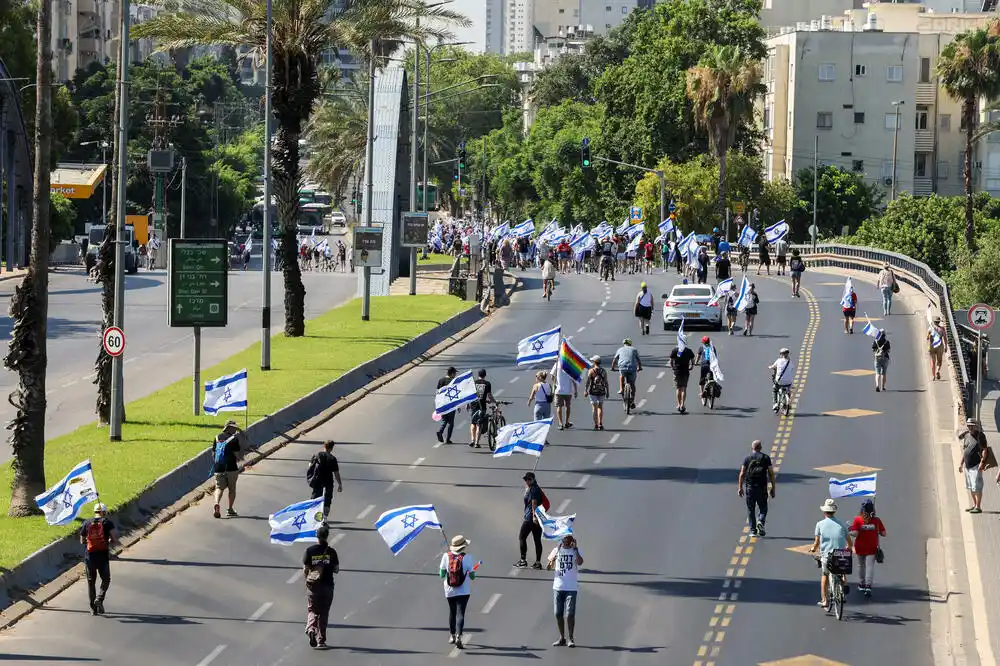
{"x": 162, "y": 432}
{"x": 156, "y": 355}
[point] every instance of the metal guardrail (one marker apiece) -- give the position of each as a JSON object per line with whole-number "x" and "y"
{"x": 871, "y": 260}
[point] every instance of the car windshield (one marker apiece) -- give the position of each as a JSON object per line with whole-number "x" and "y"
{"x": 691, "y": 291}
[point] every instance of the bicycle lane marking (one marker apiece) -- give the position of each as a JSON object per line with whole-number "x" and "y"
{"x": 722, "y": 615}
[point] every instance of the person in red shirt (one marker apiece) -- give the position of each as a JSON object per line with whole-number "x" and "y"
{"x": 650, "y": 251}
{"x": 565, "y": 252}
{"x": 866, "y": 530}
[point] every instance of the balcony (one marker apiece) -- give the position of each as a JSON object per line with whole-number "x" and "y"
{"x": 926, "y": 94}
{"x": 87, "y": 7}
{"x": 922, "y": 187}
{"x": 923, "y": 141}
{"x": 89, "y": 46}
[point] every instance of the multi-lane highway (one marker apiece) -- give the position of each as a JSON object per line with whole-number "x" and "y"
{"x": 671, "y": 576}
{"x": 156, "y": 355}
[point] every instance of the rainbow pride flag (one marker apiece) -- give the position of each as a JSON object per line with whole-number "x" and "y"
{"x": 572, "y": 362}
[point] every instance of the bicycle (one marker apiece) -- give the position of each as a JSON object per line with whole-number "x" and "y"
{"x": 744, "y": 260}
{"x": 710, "y": 390}
{"x": 607, "y": 269}
{"x": 784, "y": 401}
{"x": 548, "y": 286}
{"x": 839, "y": 566}
{"x": 495, "y": 421}
{"x": 628, "y": 395}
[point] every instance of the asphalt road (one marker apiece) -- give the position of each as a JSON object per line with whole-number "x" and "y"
{"x": 156, "y": 355}
{"x": 668, "y": 574}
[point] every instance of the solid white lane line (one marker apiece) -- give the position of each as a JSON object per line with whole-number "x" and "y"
{"x": 393, "y": 486}
{"x": 294, "y": 577}
{"x": 582, "y": 482}
{"x": 628, "y": 419}
{"x": 562, "y": 506}
{"x": 660, "y": 374}
{"x": 652, "y": 387}
{"x": 492, "y": 602}
{"x": 591, "y": 320}
{"x": 364, "y": 513}
{"x": 212, "y": 655}
{"x": 257, "y": 614}
{"x": 600, "y": 458}
{"x": 417, "y": 462}
{"x": 581, "y": 329}
{"x": 514, "y": 379}
{"x": 614, "y": 438}
{"x": 599, "y": 312}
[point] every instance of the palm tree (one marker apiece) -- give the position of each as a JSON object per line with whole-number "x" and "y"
{"x": 722, "y": 89}
{"x": 337, "y": 136}
{"x": 302, "y": 31}
{"x": 969, "y": 69}
{"x": 29, "y": 307}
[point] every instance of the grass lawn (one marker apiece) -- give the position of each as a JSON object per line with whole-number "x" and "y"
{"x": 435, "y": 258}
{"x": 162, "y": 433}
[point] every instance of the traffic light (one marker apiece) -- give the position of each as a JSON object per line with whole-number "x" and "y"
{"x": 454, "y": 174}
{"x": 461, "y": 155}
{"x": 585, "y": 153}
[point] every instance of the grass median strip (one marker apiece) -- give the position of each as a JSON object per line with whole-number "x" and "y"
{"x": 435, "y": 259}
{"x": 162, "y": 432}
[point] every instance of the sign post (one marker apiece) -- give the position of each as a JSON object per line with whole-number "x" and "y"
{"x": 198, "y": 287}
{"x": 367, "y": 253}
{"x": 981, "y": 317}
{"x": 413, "y": 235}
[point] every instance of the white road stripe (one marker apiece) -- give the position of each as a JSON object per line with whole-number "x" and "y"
{"x": 614, "y": 438}
{"x": 455, "y": 652}
{"x": 628, "y": 419}
{"x": 373, "y": 600}
{"x": 652, "y": 387}
{"x": 294, "y": 577}
{"x": 498, "y": 392}
{"x": 514, "y": 379}
{"x": 364, "y": 513}
{"x": 599, "y": 312}
{"x": 336, "y": 539}
{"x": 562, "y": 506}
{"x": 640, "y": 404}
{"x": 212, "y": 655}
{"x": 492, "y": 602}
{"x": 417, "y": 462}
{"x": 591, "y": 320}
{"x": 68, "y": 384}
{"x": 257, "y": 614}
{"x": 660, "y": 374}
{"x": 604, "y": 303}
{"x": 393, "y": 486}
{"x": 582, "y": 482}
{"x": 581, "y": 329}
{"x": 600, "y": 458}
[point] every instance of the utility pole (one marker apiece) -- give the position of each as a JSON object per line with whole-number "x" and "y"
{"x": 366, "y": 296}
{"x": 815, "y": 228}
{"x": 161, "y": 157}
{"x": 413, "y": 156}
{"x": 196, "y": 373}
{"x": 663, "y": 196}
{"x": 895, "y": 143}
{"x": 265, "y": 307}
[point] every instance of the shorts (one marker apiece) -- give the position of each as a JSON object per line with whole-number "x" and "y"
{"x": 796, "y": 274}
{"x": 681, "y": 381}
{"x": 881, "y": 364}
{"x": 597, "y": 400}
{"x": 563, "y": 400}
{"x": 849, "y": 313}
{"x": 621, "y": 256}
{"x": 543, "y": 410}
{"x": 644, "y": 311}
{"x": 937, "y": 353}
{"x": 781, "y": 261}
{"x": 478, "y": 416}
{"x": 564, "y": 603}
{"x": 226, "y": 480}
{"x": 629, "y": 376}
{"x": 974, "y": 480}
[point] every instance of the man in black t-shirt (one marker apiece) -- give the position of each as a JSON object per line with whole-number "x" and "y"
{"x": 325, "y": 469}
{"x": 752, "y": 486}
{"x": 447, "y": 420}
{"x": 319, "y": 564}
{"x": 533, "y": 498}
{"x": 97, "y": 535}
{"x": 484, "y": 391}
{"x": 681, "y": 360}
{"x": 227, "y": 450}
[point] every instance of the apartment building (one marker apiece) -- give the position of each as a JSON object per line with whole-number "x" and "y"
{"x": 527, "y": 24}
{"x": 494, "y": 27}
{"x": 82, "y": 33}
{"x": 778, "y": 14}
{"x": 862, "y": 87}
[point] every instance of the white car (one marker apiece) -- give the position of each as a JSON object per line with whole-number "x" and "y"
{"x": 690, "y": 303}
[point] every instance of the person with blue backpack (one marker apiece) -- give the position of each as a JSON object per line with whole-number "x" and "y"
{"x": 227, "y": 450}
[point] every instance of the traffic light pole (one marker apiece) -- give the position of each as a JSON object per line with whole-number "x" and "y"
{"x": 658, "y": 172}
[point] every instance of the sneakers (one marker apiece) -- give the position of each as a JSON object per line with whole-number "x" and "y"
{"x": 760, "y": 529}
{"x": 559, "y": 643}
{"x": 774, "y": 408}
{"x": 458, "y": 643}
{"x": 521, "y": 564}
{"x": 216, "y": 512}
{"x": 99, "y": 606}
{"x": 451, "y": 639}
{"x": 753, "y": 533}
{"x": 536, "y": 565}
{"x": 231, "y": 513}
{"x": 569, "y": 425}
{"x": 571, "y": 643}
{"x": 312, "y": 638}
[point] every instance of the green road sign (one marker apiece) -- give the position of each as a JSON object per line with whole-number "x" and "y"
{"x": 199, "y": 282}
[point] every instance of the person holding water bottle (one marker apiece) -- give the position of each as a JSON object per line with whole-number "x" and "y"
{"x": 457, "y": 570}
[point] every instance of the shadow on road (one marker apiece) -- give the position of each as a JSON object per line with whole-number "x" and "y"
{"x": 685, "y": 474}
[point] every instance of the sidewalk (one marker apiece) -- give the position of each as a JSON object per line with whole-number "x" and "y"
{"x": 986, "y": 526}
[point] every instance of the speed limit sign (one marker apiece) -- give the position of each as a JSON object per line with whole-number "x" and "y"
{"x": 114, "y": 341}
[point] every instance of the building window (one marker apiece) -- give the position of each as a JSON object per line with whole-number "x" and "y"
{"x": 894, "y": 73}
{"x": 925, "y": 70}
{"x": 827, "y": 71}
{"x": 962, "y": 123}
{"x": 767, "y": 118}
{"x": 824, "y": 120}
{"x": 859, "y": 117}
{"x": 607, "y": 25}
{"x": 607, "y": 8}
{"x": 943, "y": 170}
{"x": 890, "y": 121}
{"x": 562, "y": 11}
{"x": 861, "y": 70}
{"x": 945, "y": 122}
{"x": 887, "y": 172}
{"x": 920, "y": 170}
{"x": 921, "y": 118}
{"x": 624, "y": 10}
{"x": 857, "y": 166}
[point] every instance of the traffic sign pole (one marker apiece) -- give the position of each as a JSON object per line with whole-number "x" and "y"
{"x": 981, "y": 317}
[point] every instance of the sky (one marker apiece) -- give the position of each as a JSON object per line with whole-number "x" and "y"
{"x": 475, "y": 10}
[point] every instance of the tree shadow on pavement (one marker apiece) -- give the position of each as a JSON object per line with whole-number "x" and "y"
{"x": 25, "y": 658}
{"x": 685, "y": 474}
{"x": 373, "y": 650}
{"x": 519, "y": 652}
{"x": 124, "y": 559}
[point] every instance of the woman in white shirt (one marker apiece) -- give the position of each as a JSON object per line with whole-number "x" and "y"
{"x": 644, "y": 308}
{"x": 541, "y": 396}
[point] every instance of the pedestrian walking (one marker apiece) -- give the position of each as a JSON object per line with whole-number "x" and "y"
{"x": 97, "y": 535}
{"x": 227, "y": 451}
{"x": 566, "y": 559}
{"x": 597, "y": 388}
{"x": 781, "y": 253}
{"x": 534, "y": 497}
{"x": 850, "y": 311}
{"x": 937, "y": 353}
{"x": 457, "y": 570}
{"x": 764, "y": 257}
{"x": 541, "y": 396}
{"x": 565, "y": 391}
{"x": 866, "y": 530}
{"x": 888, "y": 285}
{"x": 323, "y": 470}
{"x": 752, "y": 486}
{"x": 319, "y": 564}
{"x": 976, "y": 456}
{"x": 447, "y": 420}
{"x": 681, "y": 361}
{"x": 880, "y": 352}
{"x": 750, "y": 313}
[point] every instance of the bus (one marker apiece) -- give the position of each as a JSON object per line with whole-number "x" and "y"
{"x": 432, "y": 197}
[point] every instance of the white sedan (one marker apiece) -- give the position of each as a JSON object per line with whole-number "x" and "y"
{"x": 690, "y": 303}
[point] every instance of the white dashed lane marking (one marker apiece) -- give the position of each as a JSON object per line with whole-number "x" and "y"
{"x": 454, "y": 653}
{"x": 591, "y": 320}
{"x": 259, "y": 613}
{"x": 600, "y": 458}
{"x": 614, "y": 438}
{"x": 581, "y": 329}
{"x": 562, "y": 506}
{"x": 393, "y": 486}
{"x": 652, "y": 387}
{"x": 640, "y": 404}
{"x": 660, "y": 374}
{"x": 212, "y": 655}
{"x": 514, "y": 379}
{"x": 599, "y": 312}
{"x": 582, "y": 482}
{"x": 416, "y": 463}
{"x": 492, "y": 602}
{"x": 628, "y": 419}
{"x": 364, "y": 513}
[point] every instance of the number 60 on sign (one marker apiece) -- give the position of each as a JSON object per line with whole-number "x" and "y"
{"x": 114, "y": 341}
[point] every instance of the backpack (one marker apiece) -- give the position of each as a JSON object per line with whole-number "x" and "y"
{"x": 96, "y": 539}
{"x": 599, "y": 383}
{"x": 312, "y": 473}
{"x": 456, "y": 570}
{"x": 219, "y": 455}
{"x": 545, "y": 500}
{"x": 756, "y": 471}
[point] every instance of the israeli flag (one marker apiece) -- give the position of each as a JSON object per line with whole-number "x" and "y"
{"x": 582, "y": 244}
{"x": 666, "y": 226}
{"x": 500, "y": 231}
{"x": 870, "y": 329}
{"x": 554, "y": 527}
{"x": 249, "y": 245}
{"x": 297, "y": 522}
{"x": 398, "y": 527}
{"x": 743, "y": 298}
{"x": 681, "y": 338}
{"x": 62, "y": 502}
{"x": 713, "y": 363}
{"x": 526, "y": 228}
{"x": 623, "y": 227}
{"x": 846, "y": 300}
{"x": 461, "y": 391}
{"x": 936, "y": 340}
{"x": 635, "y": 231}
{"x": 689, "y": 245}
{"x": 747, "y": 237}
{"x": 601, "y": 230}
{"x": 858, "y": 486}
{"x": 551, "y": 226}
{"x": 226, "y": 394}
{"x": 633, "y": 245}
{"x": 526, "y": 438}
{"x": 539, "y": 347}
{"x": 721, "y": 291}
{"x": 776, "y": 231}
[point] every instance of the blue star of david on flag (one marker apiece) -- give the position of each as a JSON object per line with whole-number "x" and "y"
{"x": 398, "y": 527}
{"x": 858, "y": 486}
{"x": 226, "y": 394}
{"x": 539, "y": 347}
{"x": 409, "y": 520}
{"x": 526, "y": 438}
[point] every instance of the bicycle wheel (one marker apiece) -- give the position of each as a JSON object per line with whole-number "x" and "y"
{"x": 838, "y": 602}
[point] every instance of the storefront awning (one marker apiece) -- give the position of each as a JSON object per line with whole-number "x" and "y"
{"x": 77, "y": 181}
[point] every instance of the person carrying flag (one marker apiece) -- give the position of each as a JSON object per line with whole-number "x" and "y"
{"x": 97, "y": 535}
{"x": 457, "y": 570}
{"x": 226, "y": 454}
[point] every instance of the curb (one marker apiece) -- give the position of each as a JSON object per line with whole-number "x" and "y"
{"x": 52, "y": 569}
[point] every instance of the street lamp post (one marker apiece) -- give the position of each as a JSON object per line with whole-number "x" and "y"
{"x": 895, "y": 142}
{"x": 427, "y": 105}
{"x": 265, "y": 308}
{"x": 104, "y": 184}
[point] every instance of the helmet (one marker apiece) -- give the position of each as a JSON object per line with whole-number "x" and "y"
{"x": 100, "y": 509}
{"x": 642, "y": 285}
{"x": 715, "y": 230}
{"x": 595, "y": 359}
{"x": 684, "y": 281}
{"x": 627, "y": 342}
{"x": 784, "y": 350}
{"x": 705, "y": 340}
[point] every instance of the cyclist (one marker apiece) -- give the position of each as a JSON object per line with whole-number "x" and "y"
{"x": 644, "y": 308}
{"x": 480, "y": 408}
{"x": 705, "y": 360}
{"x": 830, "y": 535}
{"x": 627, "y": 363}
{"x": 608, "y": 250}
{"x": 781, "y": 374}
{"x": 548, "y": 278}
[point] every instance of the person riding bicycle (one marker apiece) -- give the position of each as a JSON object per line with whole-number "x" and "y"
{"x": 608, "y": 250}
{"x": 830, "y": 535}
{"x": 705, "y": 360}
{"x": 644, "y": 308}
{"x": 627, "y": 363}
{"x": 548, "y": 277}
{"x": 480, "y": 408}
{"x": 782, "y": 373}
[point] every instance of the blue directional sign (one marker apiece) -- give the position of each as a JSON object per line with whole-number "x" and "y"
{"x": 672, "y": 206}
